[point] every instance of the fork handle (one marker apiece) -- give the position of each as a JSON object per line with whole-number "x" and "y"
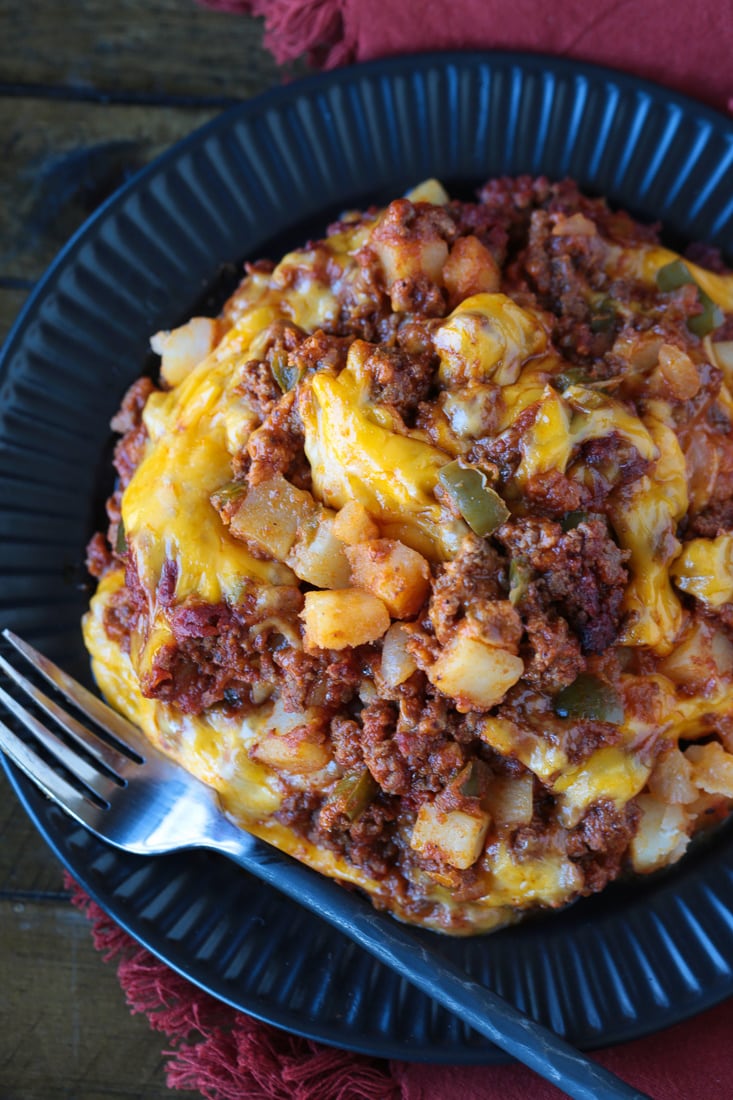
{"x": 399, "y": 947}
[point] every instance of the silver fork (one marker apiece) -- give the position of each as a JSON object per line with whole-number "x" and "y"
{"x": 135, "y": 798}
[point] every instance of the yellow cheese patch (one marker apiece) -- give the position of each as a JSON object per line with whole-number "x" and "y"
{"x": 609, "y": 773}
{"x": 393, "y": 476}
{"x": 645, "y": 519}
{"x": 704, "y": 569}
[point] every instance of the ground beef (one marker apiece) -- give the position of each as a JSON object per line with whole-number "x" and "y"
{"x": 258, "y": 387}
{"x": 553, "y": 494}
{"x": 426, "y": 737}
{"x": 346, "y": 741}
{"x": 713, "y": 521}
{"x": 467, "y": 585}
{"x": 381, "y": 753}
{"x": 552, "y": 654}
{"x": 599, "y": 844}
{"x": 213, "y": 659}
{"x": 580, "y": 573}
{"x": 399, "y": 379}
{"x": 321, "y": 351}
{"x": 368, "y": 841}
{"x": 327, "y": 678}
{"x": 566, "y": 272}
{"x": 276, "y": 447}
{"x": 99, "y": 556}
{"x": 504, "y": 450}
{"x": 130, "y": 414}
{"x": 121, "y": 616}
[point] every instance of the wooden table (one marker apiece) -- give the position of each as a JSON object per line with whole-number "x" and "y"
{"x": 89, "y": 92}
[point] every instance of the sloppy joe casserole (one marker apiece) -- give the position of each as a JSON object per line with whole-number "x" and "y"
{"x": 421, "y": 553}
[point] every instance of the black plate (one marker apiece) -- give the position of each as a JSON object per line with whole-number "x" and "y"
{"x": 264, "y": 177}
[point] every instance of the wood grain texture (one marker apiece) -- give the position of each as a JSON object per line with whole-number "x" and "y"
{"x": 27, "y": 866}
{"x": 67, "y": 1033}
{"x": 62, "y": 159}
{"x": 143, "y": 47}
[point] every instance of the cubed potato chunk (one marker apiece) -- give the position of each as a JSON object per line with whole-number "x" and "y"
{"x": 270, "y": 515}
{"x": 703, "y": 653}
{"x": 184, "y": 348}
{"x": 510, "y": 799}
{"x": 712, "y": 768}
{"x": 352, "y": 524}
{"x": 335, "y": 620}
{"x": 662, "y": 835}
{"x": 474, "y": 674}
{"x": 455, "y": 836}
{"x": 430, "y": 190}
{"x": 318, "y": 557}
{"x": 298, "y": 750}
{"x": 671, "y": 780}
{"x": 293, "y": 741}
{"x": 470, "y": 269}
{"x": 398, "y": 663}
{"x": 396, "y": 573}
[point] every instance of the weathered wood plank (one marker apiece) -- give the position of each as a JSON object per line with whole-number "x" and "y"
{"x": 170, "y": 47}
{"x": 27, "y": 866}
{"x": 61, "y": 160}
{"x": 11, "y": 301}
{"x": 66, "y": 1031}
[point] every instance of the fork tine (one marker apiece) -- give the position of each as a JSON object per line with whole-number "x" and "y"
{"x": 54, "y": 786}
{"x": 100, "y": 750}
{"x": 128, "y": 735}
{"x": 97, "y": 783}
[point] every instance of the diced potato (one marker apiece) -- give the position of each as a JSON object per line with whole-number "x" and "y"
{"x": 702, "y": 654}
{"x": 671, "y": 780}
{"x": 408, "y": 259}
{"x": 470, "y": 269}
{"x": 510, "y": 799}
{"x": 318, "y": 557}
{"x": 430, "y": 190}
{"x": 352, "y": 524}
{"x": 335, "y": 620}
{"x": 547, "y": 877}
{"x": 397, "y": 662}
{"x": 184, "y": 348}
{"x": 293, "y": 741}
{"x": 474, "y": 674}
{"x": 712, "y": 768}
{"x": 639, "y": 350}
{"x": 298, "y": 750}
{"x": 455, "y": 836}
{"x": 661, "y": 837}
{"x": 270, "y": 514}
{"x": 396, "y": 573}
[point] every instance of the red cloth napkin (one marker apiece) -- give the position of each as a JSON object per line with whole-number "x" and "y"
{"x": 683, "y": 45}
{"x": 227, "y": 1056}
